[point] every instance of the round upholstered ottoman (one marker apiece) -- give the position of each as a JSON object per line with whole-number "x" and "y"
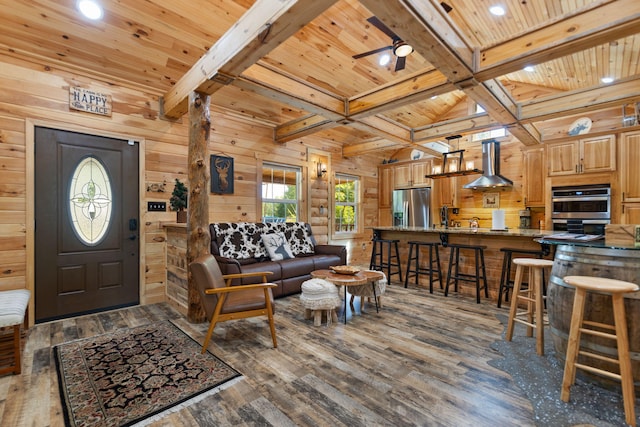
{"x": 320, "y": 297}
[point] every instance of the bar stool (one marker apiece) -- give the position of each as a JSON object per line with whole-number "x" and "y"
{"x": 417, "y": 270}
{"x": 615, "y": 288}
{"x": 534, "y": 297}
{"x": 393, "y": 257}
{"x": 454, "y": 261}
{"x": 505, "y": 277}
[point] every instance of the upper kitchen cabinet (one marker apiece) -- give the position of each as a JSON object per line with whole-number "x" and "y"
{"x": 412, "y": 175}
{"x": 385, "y": 186}
{"x": 587, "y": 155}
{"x": 534, "y": 175}
{"x": 444, "y": 191}
{"x": 630, "y": 170}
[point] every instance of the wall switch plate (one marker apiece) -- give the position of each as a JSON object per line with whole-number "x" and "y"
{"x": 156, "y": 206}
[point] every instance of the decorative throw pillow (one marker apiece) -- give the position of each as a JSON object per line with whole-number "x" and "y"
{"x": 277, "y": 246}
{"x": 300, "y": 240}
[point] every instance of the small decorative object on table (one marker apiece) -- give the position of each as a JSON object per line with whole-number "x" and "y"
{"x": 178, "y": 201}
{"x": 344, "y": 269}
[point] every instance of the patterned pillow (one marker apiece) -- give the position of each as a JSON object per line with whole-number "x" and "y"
{"x": 231, "y": 241}
{"x": 299, "y": 239}
{"x": 277, "y": 246}
{"x": 253, "y": 239}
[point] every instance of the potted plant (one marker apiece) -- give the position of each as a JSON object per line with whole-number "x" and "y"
{"x": 178, "y": 201}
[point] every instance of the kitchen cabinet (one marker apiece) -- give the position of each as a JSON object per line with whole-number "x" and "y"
{"x": 534, "y": 176}
{"x": 586, "y": 155}
{"x": 385, "y": 189}
{"x": 444, "y": 191}
{"x": 630, "y": 177}
{"x": 412, "y": 175}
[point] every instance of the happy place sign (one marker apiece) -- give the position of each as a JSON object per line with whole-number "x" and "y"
{"x": 89, "y": 101}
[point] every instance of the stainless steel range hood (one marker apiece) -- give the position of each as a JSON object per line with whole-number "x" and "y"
{"x": 491, "y": 177}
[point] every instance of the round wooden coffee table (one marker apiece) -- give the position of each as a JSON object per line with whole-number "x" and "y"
{"x": 346, "y": 280}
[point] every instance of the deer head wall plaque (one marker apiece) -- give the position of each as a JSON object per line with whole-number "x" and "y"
{"x": 221, "y": 174}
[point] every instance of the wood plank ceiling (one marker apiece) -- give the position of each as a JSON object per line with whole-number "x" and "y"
{"x": 290, "y": 63}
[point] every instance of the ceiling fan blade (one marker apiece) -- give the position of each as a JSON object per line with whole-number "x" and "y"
{"x": 382, "y": 27}
{"x": 400, "y": 63}
{"x": 371, "y": 52}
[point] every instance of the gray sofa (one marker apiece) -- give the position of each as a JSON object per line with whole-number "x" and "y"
{"x": 239, "y": 248}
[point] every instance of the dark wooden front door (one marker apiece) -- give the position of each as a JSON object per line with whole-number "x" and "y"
{"x": 86, "y": 231}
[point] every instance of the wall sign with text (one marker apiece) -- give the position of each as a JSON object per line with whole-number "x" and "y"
{"x": 89, "y": 101}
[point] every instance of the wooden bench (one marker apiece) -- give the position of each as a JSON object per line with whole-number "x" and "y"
{"x": 13, "y": 309}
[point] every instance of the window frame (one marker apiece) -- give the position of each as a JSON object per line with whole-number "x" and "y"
{"x": 295, "y": 202}
{"x": 357, "y": 204}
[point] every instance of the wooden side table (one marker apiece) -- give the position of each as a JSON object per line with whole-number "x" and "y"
{"x": 346, "y": 280}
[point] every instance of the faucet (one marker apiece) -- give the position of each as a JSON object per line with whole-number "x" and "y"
{"x": 444, "y": 216}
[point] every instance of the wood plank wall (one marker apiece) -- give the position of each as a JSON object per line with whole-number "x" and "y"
{"x": 36, "y": 93}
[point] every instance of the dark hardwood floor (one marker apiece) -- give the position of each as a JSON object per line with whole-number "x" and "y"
{"x": 422, "y": 360}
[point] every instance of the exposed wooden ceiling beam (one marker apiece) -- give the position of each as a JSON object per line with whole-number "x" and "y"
{"x": 399, "y": 94}
{"x": 580, "y": 101}
{"x": 261, "y": 29}
{"x": 587, "y": 28}
{"x": 462, "y": 126}
{"x": 302, "y": 127}
{"x": 286, "y": 89}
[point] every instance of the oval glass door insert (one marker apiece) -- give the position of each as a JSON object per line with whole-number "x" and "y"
{"x": 90, "y": 201}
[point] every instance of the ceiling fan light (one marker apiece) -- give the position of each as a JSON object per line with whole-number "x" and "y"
{"x": 402, "y": 49}
{"x": 384, "y": 59}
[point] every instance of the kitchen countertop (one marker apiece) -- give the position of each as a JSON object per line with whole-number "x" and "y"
{"x": 512, "y": 232}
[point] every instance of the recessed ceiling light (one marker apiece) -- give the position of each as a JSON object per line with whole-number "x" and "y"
{"x": 529, "y": 69}
{"x": 497, "y": 10}
{"x": 434, "y": 96}
{"x": 90, "y": 9}
{"x": 606, "y": 80}
{"x": 384, "y": 59}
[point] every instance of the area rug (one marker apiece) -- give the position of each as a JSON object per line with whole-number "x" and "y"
{"x": 135, "y": 375}
{"x": 540, "y": 378}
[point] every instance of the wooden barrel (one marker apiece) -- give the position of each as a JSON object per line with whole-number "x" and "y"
{"x": 618, "y": 264}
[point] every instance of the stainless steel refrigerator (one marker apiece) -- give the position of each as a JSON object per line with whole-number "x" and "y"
{"x": 410, "y": 207}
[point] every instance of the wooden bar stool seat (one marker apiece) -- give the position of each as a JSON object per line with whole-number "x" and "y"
{"x": 505, "y": 276}
{"x": 533, "y": 316}
{"x": 433, "y": 264}
{"x": 389, "y": 264}
{"x": 617, "y": 289}
{"x": 453, "y": 273}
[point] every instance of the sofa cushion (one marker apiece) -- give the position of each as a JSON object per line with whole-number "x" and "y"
{"x": 296, "y": 234}
{"x": 231, "y": 242}
{"x": 277, "y": 246}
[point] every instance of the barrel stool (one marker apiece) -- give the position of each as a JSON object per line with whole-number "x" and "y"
{"x": 320, "y": 297}
{"x": 13, "y": 310}
{"x": 505, "y": 277}
{"x": 433, "y": 264}
{"x": 378, "y": 261}
{"x": 617, "y": 289}
{"x": 533, "y": 317}
{"x": 480, "y": 271}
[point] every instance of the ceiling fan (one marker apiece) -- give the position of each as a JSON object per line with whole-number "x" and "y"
{"x": 400, "y": 48}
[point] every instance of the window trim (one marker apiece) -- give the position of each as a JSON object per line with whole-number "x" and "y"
{"x": 358, "y": 207}
{"x": 299, "y": 182}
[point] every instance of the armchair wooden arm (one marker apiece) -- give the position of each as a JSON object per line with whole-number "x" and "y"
{"x": 237, "y": 288}
{"x": 230, "y": 277}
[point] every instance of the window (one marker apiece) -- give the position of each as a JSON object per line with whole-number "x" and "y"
{"x": 347, "y": 198}
{"x": 90, "y": 201}
{"x": 280, "y": 193}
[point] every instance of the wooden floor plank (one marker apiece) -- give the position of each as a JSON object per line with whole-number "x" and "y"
{"x": 422, "y": 360}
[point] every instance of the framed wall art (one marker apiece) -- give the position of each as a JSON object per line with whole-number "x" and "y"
{"x": 491, "y": 200}
{"x": 221, "y": 174}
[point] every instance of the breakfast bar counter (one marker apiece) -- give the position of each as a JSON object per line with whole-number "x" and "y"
{"x": 494, "y": 240}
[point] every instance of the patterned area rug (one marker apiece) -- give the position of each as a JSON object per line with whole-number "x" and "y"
{"x": 124, "y": 377}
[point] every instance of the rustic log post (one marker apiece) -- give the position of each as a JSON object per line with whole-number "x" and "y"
{"x": 198, "y": 236}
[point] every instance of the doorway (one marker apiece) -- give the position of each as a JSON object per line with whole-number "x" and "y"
{"x": 86, "y": 223}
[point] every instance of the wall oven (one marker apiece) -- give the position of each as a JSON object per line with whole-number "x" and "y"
{"x": 584, "y": 209}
